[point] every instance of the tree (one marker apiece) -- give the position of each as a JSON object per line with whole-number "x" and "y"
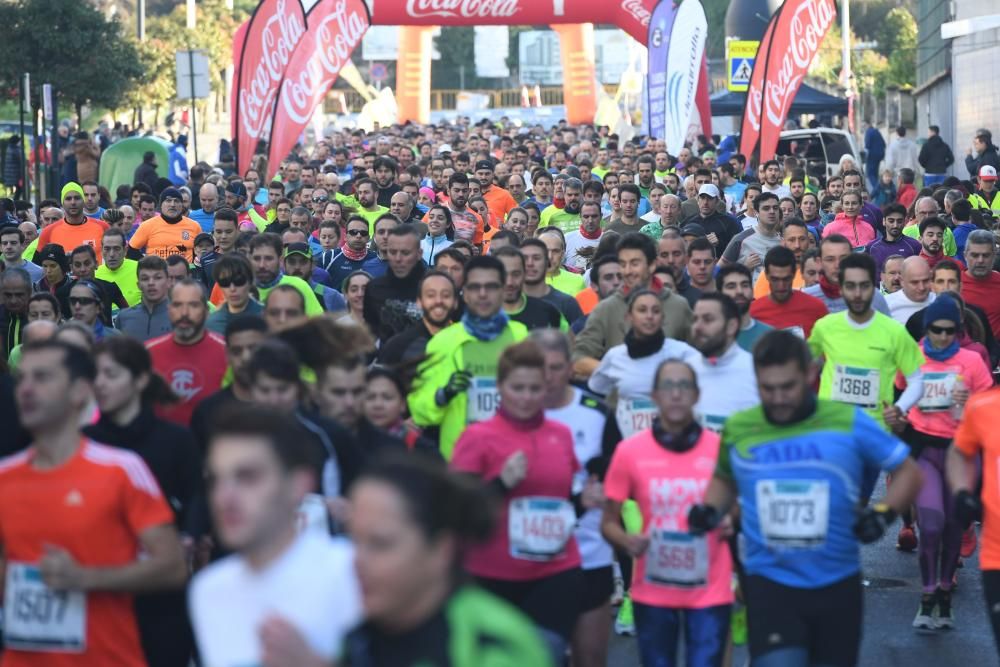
{"x": 87, "y": 59}
{"x": 158, "y": 85}
{"x": 898, "y": 39}
{"x": 215, "y": 27}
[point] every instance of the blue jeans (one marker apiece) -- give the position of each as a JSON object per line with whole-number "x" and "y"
{"x": 705, "y": 633}
{"x": 934, "y": 179}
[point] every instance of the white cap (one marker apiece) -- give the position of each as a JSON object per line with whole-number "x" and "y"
{"x": 709, "y": 189}
{"x": 444, "y": 148}
{"x": 988, "y": 173}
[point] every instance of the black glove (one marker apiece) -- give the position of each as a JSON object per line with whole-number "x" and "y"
{"x": 872, "y": 522}
{"x": 968, "y": 508}
{"x": 702, "y": 518}
{"x": 457, "y": 383}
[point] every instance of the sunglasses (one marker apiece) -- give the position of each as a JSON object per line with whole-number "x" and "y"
{"x": 357, "y": 232}
{"x": 239, "y": 281}
{"x": 950, "y": 331}
{"x": 82, "y": 301}
{"x": 320, "y": 200}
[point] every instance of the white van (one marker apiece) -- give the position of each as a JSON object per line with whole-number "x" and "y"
{"x": 821, "y": 148}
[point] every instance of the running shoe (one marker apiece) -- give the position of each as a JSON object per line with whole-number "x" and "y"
{"x": 945, "y": 616}
{"x": 625, "y": 621}
{"x": 969, "y": 542}
{"x": 925, "y": 615}
{"x": 907, "y": 539}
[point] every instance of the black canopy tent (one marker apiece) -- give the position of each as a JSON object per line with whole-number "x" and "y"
{"x": 807, "y": 100}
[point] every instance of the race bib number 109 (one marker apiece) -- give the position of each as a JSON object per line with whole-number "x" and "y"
{"x": 484, "y": 399}
{"x": 37, "y": 618}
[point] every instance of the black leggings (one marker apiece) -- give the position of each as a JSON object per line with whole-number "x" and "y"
{"x": 552, "y": 602}
{"x": 991, "y": 590}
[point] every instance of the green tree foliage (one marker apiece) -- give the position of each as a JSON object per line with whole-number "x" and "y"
{"x": 715, "y": 13}
{"x": 898, "y": 40}
{"x": 158, "y": 82}
{"x": 215, "y": 27}
{"x": 69, "y": 44}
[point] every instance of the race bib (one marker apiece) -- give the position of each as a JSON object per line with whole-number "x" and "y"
{"x": 484, "y": 399}
{"x": 677, "y": 559}
{"x": 634, "y": 415}
{"x": 539, "y": 527}
{"x": 39, "y": 619}
{"x": 937, "y": 391}
{"x": 713, "y": 423}
{"x": 859, "y": 386}
{"x": 793, "y": 513}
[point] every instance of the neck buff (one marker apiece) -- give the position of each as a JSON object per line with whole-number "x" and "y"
{"x": 830, "y": 290}
{"x": 940, "y": 354}
{"x": 354, "y": 255}
{"x": 485, "y": 328}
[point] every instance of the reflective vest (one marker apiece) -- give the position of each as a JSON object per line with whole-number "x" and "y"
{"x": 980, "y": 200}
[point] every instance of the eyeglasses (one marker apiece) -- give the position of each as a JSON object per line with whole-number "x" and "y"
{"x": 682, "y": 386}
{"x": 357, "y": 232}
{"x": 82, "y": 301}
{"x": 948, "y": 331}
{"x": 238, "y": 281}
{"x": 482, "y": 287}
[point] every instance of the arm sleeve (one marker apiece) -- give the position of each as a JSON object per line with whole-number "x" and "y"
{"x": 914, "y": 390}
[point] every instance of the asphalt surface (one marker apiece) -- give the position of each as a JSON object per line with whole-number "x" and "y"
{"x": 892, "y": 594}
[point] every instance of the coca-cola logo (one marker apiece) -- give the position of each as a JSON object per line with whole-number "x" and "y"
{"x": 808, "y": 25}
{"x": 335, "y": 38}
{"x": 637, "y": 11}
{"x": 277, "y": 40}
{"x": 462, "y": 8}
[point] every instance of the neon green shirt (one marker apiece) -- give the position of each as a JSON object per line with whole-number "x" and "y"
{"x": 566, "y": 281}
{"x": 125, "y": 276}
{"x": 557, "y": 217}
{"x": 861, "y": 361}
{"x": 313, "y": 308}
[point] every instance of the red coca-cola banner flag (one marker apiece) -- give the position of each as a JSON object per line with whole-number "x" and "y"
{"x": 334, "y": 30}
{"x": 798, "y": 29}
{"x": 750, "y": 128}
{"x": 632, "y": 16}
{"x": 274, "y": 31}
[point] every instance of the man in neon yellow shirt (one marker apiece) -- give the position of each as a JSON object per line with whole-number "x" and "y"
{"x": 556, "y": 276}
{"x": 265, "y": 257}
{"x": 117, "y": 268}
{"x": 366, "y": 194}
{"x": 567, "y": 218}
{"x": 864, "y": 349}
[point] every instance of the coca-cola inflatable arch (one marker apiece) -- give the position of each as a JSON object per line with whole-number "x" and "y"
{"x": 289, "y": 53}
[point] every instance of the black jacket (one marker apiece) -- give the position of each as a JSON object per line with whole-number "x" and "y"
{"x": 391, "y": 302}
{"x": 723, "y": 226}
{"x": 935, "y": 156}
{"x": 145, "y": 173}
{"x": 11, "y": 330}
{"x": 988, "y": 157}
{"x": 112, "y": 295}
{"x": 168, "y": 449}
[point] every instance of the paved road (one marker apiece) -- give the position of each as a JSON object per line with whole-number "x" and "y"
{"x": 891, "y": 600}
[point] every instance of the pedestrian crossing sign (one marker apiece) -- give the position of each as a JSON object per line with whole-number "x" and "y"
{"x": 740, "y": 57}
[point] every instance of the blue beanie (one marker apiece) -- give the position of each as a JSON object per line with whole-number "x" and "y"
{"x": 943, "y": 308}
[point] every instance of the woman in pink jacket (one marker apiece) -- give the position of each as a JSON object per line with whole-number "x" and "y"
{"x": 850, "y": 223}
{"x": 532, "y": 559}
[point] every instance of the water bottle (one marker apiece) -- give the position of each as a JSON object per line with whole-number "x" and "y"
{"x": 958, "y": 408}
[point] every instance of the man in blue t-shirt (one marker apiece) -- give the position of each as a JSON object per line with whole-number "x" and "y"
{"x": 800, "y": 468}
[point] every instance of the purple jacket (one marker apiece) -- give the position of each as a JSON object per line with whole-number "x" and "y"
{"x": 880, "y": 250}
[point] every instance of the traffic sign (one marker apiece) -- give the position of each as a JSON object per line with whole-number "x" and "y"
{"x": 740, "y": 56}
{"x": 378, "y": 72}
{"x": 192, "y": 75}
